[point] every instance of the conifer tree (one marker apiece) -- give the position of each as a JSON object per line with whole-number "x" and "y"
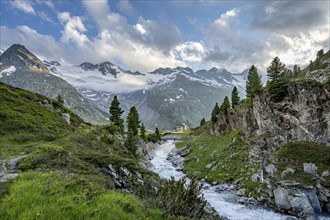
{"x": 130, "y": 143}
{"x": 276, "y": 70}
{"x": 234, "y": 97}
{"x": 133, "y": 122}
{"x": 225, "y": 105}
{"x": 253, "y": 83}
{"x": 157, "y": 134}
{"x": 215, "y": 112}
{"x": 295, "y": 70}
{"x": 311, "y": 66}
{"x": 143, "y": 132}
{"x": 115, "y": 114}
{"x": 202, "y": 122}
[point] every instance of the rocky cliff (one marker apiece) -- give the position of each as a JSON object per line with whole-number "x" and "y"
{"x": 289, "y": 140}
{"x": 302, "y": 115}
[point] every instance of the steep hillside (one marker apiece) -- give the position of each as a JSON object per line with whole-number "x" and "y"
{"x": 55, "y": 166}
{"x": 20, "y": 68}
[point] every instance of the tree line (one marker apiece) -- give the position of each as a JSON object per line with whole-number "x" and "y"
{"x": 278, "y": 77}
{"x": 134, "y": 126}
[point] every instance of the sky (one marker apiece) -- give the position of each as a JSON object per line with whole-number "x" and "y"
{"x": 145, "y": 35}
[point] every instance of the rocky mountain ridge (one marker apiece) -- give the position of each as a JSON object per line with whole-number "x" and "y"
{"x": 20, "y": 68}
{"x": 163, "y": 97}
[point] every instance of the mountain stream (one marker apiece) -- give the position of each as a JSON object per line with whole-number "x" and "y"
{"x": 224, "y": 202}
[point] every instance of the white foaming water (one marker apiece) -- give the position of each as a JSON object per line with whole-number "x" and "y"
{"x": 224, "y": 203}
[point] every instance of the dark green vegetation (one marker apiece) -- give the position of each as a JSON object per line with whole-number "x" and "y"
{"x": 65, "y": 173}
{"x": 215, "y": 112}
{"x": 293, "y": 155}
{"x": 253, "y": 83}
{"x": 234, "y": 97}
{"x": 115, "y": 115}
{"x": 225, "y": 105}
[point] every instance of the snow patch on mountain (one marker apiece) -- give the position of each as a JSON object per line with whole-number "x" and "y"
{"x": 8, "y": 71}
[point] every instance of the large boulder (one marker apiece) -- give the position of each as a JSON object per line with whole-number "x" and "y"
{"x": 282, "y": 198}
{"x": 301, "y": 205}
{"x": 310, "y": 168}
{"x": 313, "y": 199}
{"x": 271, "y": 170}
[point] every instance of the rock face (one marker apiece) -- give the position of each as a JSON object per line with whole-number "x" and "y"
{"x": 282, "y": 198}
{"x": 300, "y": 205}
{"x": 303, "y": 114}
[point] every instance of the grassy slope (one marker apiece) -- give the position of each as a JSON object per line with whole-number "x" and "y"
{"x": 71, "y": 185}
{"x": 227, "y": 153}
{"x": 52, "y": 196}
{"x": 293, "y": 155}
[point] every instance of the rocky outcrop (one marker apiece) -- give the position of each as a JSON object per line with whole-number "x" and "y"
{"x": 145, "y": 152}
{"x": 303, "y": 114}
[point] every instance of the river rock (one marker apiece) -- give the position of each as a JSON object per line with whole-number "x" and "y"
{"x": 281, "y": 198}
{"x": 301, "y": 205}
{"x": 271, "y": 170}
{"x": 325, "y": 173}
{"x": 310, "y": 168}
{"x": 313, "y": 199}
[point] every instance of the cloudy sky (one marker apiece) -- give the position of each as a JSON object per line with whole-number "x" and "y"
{"x": 144, "y": 35}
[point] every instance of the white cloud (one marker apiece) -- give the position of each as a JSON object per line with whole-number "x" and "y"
{"x": 140, "y": 28}
{"x": 23, "y": 5}
{"x": 191, "y": 51}
{"x": 73, "y": 28}
{"x": 98, "y": 10}
{"x": 125, "y": 7}
{"x": 227, "y": 17}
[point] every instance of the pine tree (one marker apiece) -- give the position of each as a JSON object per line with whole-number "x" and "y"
{"x": 295, "y": 70}
{"x": 133, "y": 122}
{"x": 225, "y": 105}
{"x": 157, "y": 134}
{"x": 234, "y": 97}
{"x": 276, "y": 70}
{"x": 253, "y": 83}
{"x": 215, "y": 112}
{"x": 115, "y": 114}
{"x": 143, "y": 132}
{"x": 320, "y": 54}
{"x": 311, "y": 66}
{"x": 130, "y": 143}
{"x": 202, "y": 122}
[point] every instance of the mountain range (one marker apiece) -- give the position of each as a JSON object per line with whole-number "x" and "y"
{"x": 165, "y": 97}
